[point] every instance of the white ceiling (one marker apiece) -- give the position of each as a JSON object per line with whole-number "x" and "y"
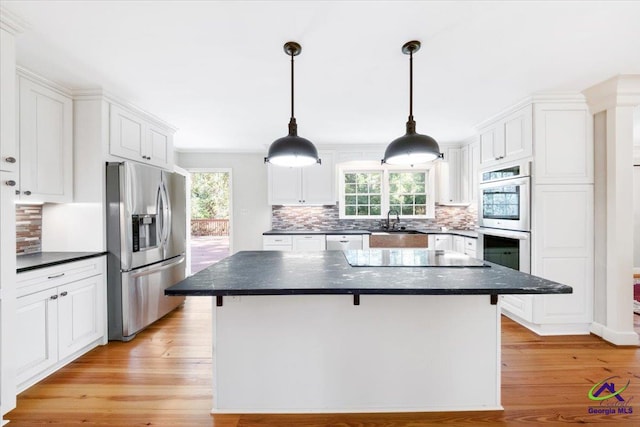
{"x": 216, "y": 69}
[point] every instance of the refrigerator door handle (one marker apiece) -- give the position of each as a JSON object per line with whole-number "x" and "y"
{"x": 166, "y": 222}
{"x": 165, "y": 265}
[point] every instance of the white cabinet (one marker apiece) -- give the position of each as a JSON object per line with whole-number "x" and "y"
{"x": 135, "y": 137}
{"x": 46, "y": 138}
{"x": 458, "y": 174}
{"x": 441, "y": 241}
{"x": 311, "y": 242}
{"x": 61, "y": 313}
{"x": 458, "y": 244}
{"x": 507, "y": 139}
{"x": 277, "y": 242}
{"x": 470, "y": 245}
{"x": 564, "y": 144}
{"x": 310, "y": 185}
{"x": 343, "y": 242}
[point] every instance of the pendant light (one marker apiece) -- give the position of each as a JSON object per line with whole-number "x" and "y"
{"x": 292, "y": 150}
{"x": 411, "y": 148}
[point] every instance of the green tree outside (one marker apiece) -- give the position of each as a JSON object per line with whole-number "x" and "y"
{"x": 210, "y": 195}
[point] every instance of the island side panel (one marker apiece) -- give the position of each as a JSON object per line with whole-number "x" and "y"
{"x": 320, "y": 353}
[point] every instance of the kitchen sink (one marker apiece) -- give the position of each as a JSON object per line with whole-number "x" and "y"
{"x": 398, "y": 239}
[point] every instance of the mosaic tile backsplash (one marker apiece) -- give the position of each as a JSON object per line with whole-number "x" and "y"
{"x": 326, "y": 218}
{"x": 28, "y": 229}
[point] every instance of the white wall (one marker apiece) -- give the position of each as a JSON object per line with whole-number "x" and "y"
{"x": 251, "y": 214}
{"x": 636, "y": 219}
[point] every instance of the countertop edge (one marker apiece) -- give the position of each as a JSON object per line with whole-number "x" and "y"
{"x": 465, "y": 233}
{"x": 364, "y": 291}
{"x": 73, "y": 256}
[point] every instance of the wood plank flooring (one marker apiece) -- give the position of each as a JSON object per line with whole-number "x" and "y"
{"x": 163, "y": 378}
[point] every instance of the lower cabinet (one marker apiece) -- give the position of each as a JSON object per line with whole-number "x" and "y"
{"x": 61, "y": 322}
{"x": 441, "y": 242}
{"x": 311, "y": 242}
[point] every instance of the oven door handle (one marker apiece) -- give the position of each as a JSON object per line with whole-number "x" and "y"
{"x": 505, "y": 182}
{"x": 520, "y": 235}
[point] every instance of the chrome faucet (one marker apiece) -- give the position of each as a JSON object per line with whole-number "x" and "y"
{"x": 397, "y": 219}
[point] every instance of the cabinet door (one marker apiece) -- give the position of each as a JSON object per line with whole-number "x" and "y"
{"x": 309, "y": 243}
{"x": 474, "y": 170}
{"x": 319, "y": 182}
{"x": 487, "y": 140}
{"x": 46, "y": 157}
{"x": 8, "y": 140}
{"x": 127, "y": 136}
{"x": 518, "y": 135}
{"x": 80, "y": 314}
{"x": 159, "y": 149}
{"x": 37, "y": 342}
{"x": 458, "y": 244}
{"x": 443, "y": 242}
{"x": 564, "y": 144}
{"x": 285, "y": 185}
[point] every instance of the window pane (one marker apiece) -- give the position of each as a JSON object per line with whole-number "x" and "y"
{"x": 421, "y": 199}
{"x": 418, "y": 188}
{"x": 393, "y": 188}
{"x": 363, "y": 210}
{"x": 350, "y": 200}
{"x": 363, "y": 200}
{"x": 374, "y": 210}
{"x": 363, "y": 188}
{"x": 349, "y": 188}
{"x": 394, "y": 199}
{"x": 421, "y": 210}
{"x": 395, "y": 207}
{"x": 374, "y": 188}
{"x": 374, "y": 200}
{"x": 350, "y": 177}
{"x": 350, "y": 210}
{"x": 407, "y": 200}
{"x": 407, "y": 210}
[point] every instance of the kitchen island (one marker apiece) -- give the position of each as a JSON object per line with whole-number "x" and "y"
{"x": 309, "y": 332}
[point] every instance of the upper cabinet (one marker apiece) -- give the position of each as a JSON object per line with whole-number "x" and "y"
{"x": 45, "y": 143}
{"x": 508, "y": 138}
{"x": 135, "y": 137}
{"x": 564, "y": 143}
{"x": 311, "y": 185}
{"x": 457, "y": 174}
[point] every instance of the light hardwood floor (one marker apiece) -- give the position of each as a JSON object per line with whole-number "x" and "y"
{"x": 163, "y": 376}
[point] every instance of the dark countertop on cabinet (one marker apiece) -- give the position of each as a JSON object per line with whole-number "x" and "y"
{"x": 37, "y": 260}
{"x": 465, "y": 233}
{"x": 328, "y": 272}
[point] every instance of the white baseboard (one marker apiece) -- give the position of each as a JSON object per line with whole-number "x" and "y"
{"x": 551, "y": 329}
{"x": 615, "y": 337}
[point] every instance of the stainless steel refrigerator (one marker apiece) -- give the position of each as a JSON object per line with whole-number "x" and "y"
{"x": 146, "y": 239}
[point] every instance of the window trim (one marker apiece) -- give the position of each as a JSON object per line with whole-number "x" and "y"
{"x": 384, "y": 208}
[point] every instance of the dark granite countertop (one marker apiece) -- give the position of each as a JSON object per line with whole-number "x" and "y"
{"x": 465, "y": 233}
{"x": 294, "y": 232}
{"x": 47, "y": 259}
{"x": 328, "y": 272}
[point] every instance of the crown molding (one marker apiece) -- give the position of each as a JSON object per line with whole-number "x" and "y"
{"x": 11, "y": 22}
{"x": 28, "y": 74}
{"x": 618, "y": 91}
{"x": 102, "y": 94}
{"x": 538, "y": 97}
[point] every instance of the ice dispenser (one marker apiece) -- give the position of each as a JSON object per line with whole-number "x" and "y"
{"x": 144, "y": 232}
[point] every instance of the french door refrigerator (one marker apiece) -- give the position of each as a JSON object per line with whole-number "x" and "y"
{"x": 146, "y": 239}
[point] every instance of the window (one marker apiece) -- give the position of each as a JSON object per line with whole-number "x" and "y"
{"x": 368, "y": 193}
{"x": 362, "y": 193}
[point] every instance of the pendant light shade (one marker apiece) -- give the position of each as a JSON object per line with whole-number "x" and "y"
{"x": 411, "y": 148}
{"x": 292, "y": 150}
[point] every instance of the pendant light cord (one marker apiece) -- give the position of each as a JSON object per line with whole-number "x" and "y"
{"x": 292, "y": 115}
{"x": 411, "y": 85}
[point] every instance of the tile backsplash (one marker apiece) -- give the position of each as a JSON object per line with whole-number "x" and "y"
{"x": 327, "y": 218}
{"x": 28, "y": 229}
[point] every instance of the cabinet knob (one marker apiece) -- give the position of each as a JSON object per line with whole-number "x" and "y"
{"x": 26, "y": 193}
{"x": 64, "y": 294}
{"x": 53, "y": 297}
{"x": 10, "y": 159}
{"x": 11, "y": 183}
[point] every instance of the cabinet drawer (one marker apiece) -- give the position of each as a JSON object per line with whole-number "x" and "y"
{"x": 277, "y": 240}
{"x": 47, "y": 277}
{"x": 470, "y": 244}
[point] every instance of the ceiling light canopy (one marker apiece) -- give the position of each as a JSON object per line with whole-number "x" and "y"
{"x": 292, "y": 150}
{"x": 411, "y": 148}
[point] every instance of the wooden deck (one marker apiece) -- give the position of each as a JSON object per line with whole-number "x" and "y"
{"x": 163, "y": 378}
{"x": 206, "y": 250}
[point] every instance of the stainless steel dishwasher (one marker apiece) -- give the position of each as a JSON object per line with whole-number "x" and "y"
{"x": 343, "y": 242}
